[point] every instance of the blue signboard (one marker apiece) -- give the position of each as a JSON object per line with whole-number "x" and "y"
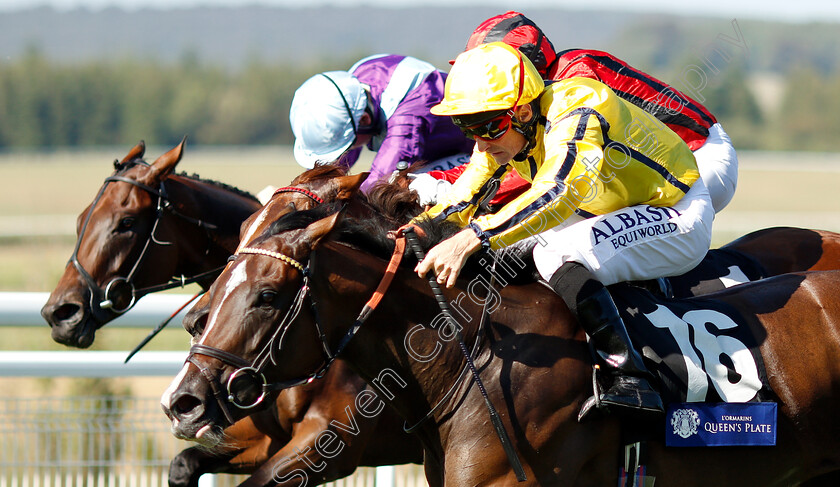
{"x": 731, "y": 424}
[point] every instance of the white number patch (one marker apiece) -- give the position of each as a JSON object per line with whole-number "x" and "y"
{"x": 702, "y": 358}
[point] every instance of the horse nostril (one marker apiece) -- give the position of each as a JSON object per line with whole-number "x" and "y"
{"x": 186, "y": 405}
{"x": 195, "y": 321}
{"x": 66, "y": 311}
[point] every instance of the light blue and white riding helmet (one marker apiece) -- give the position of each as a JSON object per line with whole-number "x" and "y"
{"x": 325, "y": 115}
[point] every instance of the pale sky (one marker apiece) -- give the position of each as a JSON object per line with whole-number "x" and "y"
{"x": 797, "y": 11}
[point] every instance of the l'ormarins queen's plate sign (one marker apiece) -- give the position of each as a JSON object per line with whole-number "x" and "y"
{"x": 700, "y": 424}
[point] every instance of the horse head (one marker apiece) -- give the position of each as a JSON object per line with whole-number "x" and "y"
{"x": 313, "y": 187}
{"x": 265, "y": 290}
{"x": 229, "y": 372}
{"x": 285, "y": 231}
{"x": 144, "y": 226}
{"x": 284, "y": 309}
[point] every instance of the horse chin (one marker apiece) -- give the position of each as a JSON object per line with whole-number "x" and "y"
{"x": 213, "y": 439}
{"x": 203, "y": 424}
{"x": 79, "y": 335}
{"x": 208, "y": 436}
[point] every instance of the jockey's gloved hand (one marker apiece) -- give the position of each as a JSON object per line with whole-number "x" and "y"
{"x": 429, "y": 189}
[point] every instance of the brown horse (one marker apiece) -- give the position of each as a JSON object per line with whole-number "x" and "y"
{"x": 279, "y": 445}
{"x": 532, "y": 357}
{"x": 781, "y": 250}
{"x": 145, "y": 227}
{"x": 194, "y": 235}
{"x": 256, "y": 443}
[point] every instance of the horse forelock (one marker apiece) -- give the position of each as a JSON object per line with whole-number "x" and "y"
{"x": 297, "y": 220}
{"x": 122, "y": 166}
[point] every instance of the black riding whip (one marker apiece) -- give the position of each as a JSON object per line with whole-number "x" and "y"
{"x": 411, "y": 237}
{"x": 159, "y": 328}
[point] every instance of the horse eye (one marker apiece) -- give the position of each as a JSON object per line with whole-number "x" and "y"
{"x": 267, "y": 297}
{"x": 126, "y": 223}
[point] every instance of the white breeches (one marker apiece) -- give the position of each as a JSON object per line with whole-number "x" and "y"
{"x": 718, "y": 166}
{"x": 631, "y": 244}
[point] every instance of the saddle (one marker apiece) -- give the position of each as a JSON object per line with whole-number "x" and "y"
{"x": 702, "y": 352}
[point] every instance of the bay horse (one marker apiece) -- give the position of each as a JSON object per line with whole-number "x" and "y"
{"x": 201, "y": 245}
{"x": 194, "y": 234}
{"x": 147, "y": 226}
{"x": 288, "y": 302}
{"x": 781, "y": 250}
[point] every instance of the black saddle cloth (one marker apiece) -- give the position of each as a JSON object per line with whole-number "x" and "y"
{"x": 700, "y": 349}
{"x": 721, "y": 268}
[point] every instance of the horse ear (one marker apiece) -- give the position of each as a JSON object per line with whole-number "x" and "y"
{"x": 135, "y": 153}
{"x": 348, "y": 185}
{"x": 320, "y": 229}
{"x": 165, "y": 164}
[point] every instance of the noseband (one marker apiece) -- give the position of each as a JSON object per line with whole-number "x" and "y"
{"x": 101, "y": 300}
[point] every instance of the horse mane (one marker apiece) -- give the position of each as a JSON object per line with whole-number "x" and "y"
{"x": 396, "y": 205}
{"x": 220, "y": 185}
{"x": 122, "y": 167}
{"x": 297, "y": 220}
{"x": 391, "y": 206}
{"x": 320, "y": 171}
{"x": 393, "y": 201}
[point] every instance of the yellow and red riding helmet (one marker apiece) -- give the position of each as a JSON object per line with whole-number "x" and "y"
{"x": 489, "y": 78}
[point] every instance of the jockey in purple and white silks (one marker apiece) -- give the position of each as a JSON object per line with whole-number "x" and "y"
{"x": 381, "y": 102}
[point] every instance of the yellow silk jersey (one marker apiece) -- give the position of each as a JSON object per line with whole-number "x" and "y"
{"x": 594, "y": 153}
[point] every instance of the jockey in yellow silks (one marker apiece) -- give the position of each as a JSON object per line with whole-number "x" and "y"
{"x": 615, "y": 196}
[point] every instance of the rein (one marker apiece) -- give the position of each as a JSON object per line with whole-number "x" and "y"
{"x": 255, "y": 370}
{"x": 410, "y": 235}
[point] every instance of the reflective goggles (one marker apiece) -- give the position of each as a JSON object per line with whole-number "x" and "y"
{"x": 490, "y": 130}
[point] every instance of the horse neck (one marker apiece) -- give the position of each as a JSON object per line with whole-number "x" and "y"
{"x": 392, "y": 346}
{"x": 207, "y": 248}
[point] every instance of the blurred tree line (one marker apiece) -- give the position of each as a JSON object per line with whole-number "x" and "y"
{"x": 44, "y": 104}
{"x": 47, "y": 104}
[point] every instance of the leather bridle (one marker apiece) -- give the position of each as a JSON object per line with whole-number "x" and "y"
{"x": 256, "y": 368}
{"x": 103, "y": 299}
{"x": 160, "y": 327}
